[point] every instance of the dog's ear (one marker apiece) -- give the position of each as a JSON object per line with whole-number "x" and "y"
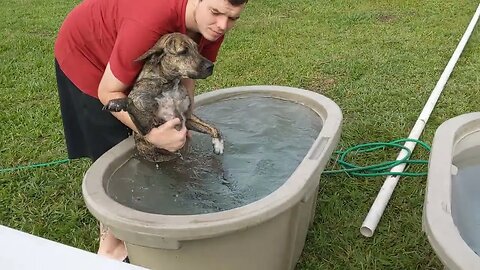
{"x": 158, "y": 49}
{"x": 150, "y": 53}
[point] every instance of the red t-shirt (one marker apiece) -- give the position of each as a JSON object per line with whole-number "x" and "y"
{"x": 97, "y": 32}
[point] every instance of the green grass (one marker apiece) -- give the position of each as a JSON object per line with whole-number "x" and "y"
{"x": 378, "y": 60}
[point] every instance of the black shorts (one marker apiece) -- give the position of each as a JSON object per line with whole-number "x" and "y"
{"x": 89, "y": 131}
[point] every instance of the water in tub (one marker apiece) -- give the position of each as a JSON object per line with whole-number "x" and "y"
{"x": 265, "y": 140}
{"x": 466, "y": 197}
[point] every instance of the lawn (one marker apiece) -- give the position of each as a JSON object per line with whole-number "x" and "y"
{"x": 378, "y": 60}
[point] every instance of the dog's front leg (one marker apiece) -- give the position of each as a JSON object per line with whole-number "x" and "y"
{"x": 196, "y": 124}
{"x": 116, "y": 105}
{"x": 141, "y": 119}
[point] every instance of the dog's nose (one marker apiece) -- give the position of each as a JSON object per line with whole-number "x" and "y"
{"x": 209, "y": 67}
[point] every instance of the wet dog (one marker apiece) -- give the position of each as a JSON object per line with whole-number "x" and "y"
{"x": 158, "y": 94}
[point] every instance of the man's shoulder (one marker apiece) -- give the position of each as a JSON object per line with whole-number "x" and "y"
{"x": 152, "y": 13}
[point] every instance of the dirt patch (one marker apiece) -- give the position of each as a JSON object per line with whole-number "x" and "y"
{"x": 386, "y": 18}
{"x": 322, "y": 84}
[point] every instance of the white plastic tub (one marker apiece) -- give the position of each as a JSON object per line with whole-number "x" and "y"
{"x": 268, "y": 234}
{"x": 451, "y": 216}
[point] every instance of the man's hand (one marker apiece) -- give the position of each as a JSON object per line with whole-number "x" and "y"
{"x": 167, "y": 137}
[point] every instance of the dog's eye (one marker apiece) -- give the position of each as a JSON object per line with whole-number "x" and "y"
{"x": 182, "y": 50}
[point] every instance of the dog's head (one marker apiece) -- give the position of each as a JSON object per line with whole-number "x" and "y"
{"x": 176, "y": 55}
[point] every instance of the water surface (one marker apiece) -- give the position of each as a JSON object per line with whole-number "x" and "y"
{"x": 466, "y": 197}
{"x": 265, "y": 140}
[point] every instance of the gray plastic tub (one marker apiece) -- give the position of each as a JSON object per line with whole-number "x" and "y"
{"x": 451, "y": 213}
{"x": 268, "y": 234}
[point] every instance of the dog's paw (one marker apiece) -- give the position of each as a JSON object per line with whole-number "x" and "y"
{"x": 217, "y": 146}
{"x": 116, "y": 105}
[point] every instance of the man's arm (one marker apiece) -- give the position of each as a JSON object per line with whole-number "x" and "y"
{"x": 112, "y": 88}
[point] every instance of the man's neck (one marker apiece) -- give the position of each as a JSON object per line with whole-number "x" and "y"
{"x": 190, "y": 22}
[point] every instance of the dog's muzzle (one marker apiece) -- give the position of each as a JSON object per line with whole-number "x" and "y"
{"x": 204, "y": 70}
{"x": 209, "y": 68}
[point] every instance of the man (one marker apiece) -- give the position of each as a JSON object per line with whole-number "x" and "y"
{"x": 94, "y": 58}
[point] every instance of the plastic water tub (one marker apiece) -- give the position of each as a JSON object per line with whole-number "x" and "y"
{"x": 451, "y": 215}
{"x": 267, "y": 234}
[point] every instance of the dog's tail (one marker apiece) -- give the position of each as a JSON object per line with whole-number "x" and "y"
{"x": 116, "y": 105}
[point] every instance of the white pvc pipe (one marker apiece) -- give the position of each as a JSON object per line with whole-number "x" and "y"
{"x": 373, "y": 217}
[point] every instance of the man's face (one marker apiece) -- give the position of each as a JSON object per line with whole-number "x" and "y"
{"x": 215, "y": 17}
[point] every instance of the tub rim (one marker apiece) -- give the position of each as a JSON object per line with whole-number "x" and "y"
{"x": 189, "y": 227}
{"x": 438, "y": 223}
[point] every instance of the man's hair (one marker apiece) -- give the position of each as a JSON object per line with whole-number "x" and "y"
{"x": 237, "y": 2}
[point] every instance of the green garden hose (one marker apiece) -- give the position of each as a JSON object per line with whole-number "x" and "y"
{"x": 36, "y": 165}
{"x": 379, "y": 169}
{"x": 346, "y": 167}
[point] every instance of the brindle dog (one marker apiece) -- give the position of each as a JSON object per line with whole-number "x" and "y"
{"x": 158, "y": 96}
